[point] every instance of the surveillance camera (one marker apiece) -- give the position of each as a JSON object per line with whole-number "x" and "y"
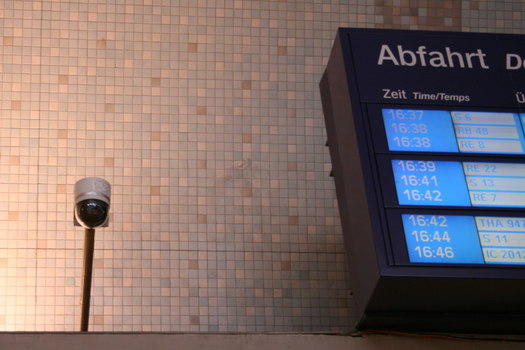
{"x": 92, "y": 199}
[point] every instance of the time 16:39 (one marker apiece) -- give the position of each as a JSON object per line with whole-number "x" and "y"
{"x": 417, "y": 165}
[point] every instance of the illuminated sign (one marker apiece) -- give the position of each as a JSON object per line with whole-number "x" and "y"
{"x": 465, "y": 239}
{"x": 453, "y": 131}
{"x": 454, "y": 183}
{"x": 426, "y": 132}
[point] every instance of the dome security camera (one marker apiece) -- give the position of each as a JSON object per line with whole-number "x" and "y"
{"x": 92, "y": 201}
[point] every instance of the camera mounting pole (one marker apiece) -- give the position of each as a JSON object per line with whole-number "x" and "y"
{"x": 92, "y": 202}
{"x": 89, "y": 247}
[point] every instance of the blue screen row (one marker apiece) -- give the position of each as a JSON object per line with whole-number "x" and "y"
{"x": 459, "y": 239}
{"x": 455, "y": 183}
{"x": 418, "y": 130}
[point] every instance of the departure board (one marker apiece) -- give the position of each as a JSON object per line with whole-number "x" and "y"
{"x": 454, "y": 183}
{"x": 465, "y": 239}
{"x": 418, "y": 130}
{"x": 426, "y": 133}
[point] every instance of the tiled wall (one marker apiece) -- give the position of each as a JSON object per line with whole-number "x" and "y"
{"x": 205, "y": 117}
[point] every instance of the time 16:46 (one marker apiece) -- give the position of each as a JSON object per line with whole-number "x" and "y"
{"x": 431, "y": 253}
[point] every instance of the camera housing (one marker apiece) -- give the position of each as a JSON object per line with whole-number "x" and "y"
{"x": 92, "y": 202}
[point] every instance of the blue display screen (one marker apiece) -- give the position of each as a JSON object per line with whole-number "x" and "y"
{"x": 418, "y": 130}
{"x": 459, "y": 239}
{"x": 455, "y": 183}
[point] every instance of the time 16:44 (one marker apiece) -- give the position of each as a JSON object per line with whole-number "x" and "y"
{"x": 426, "y": 236}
